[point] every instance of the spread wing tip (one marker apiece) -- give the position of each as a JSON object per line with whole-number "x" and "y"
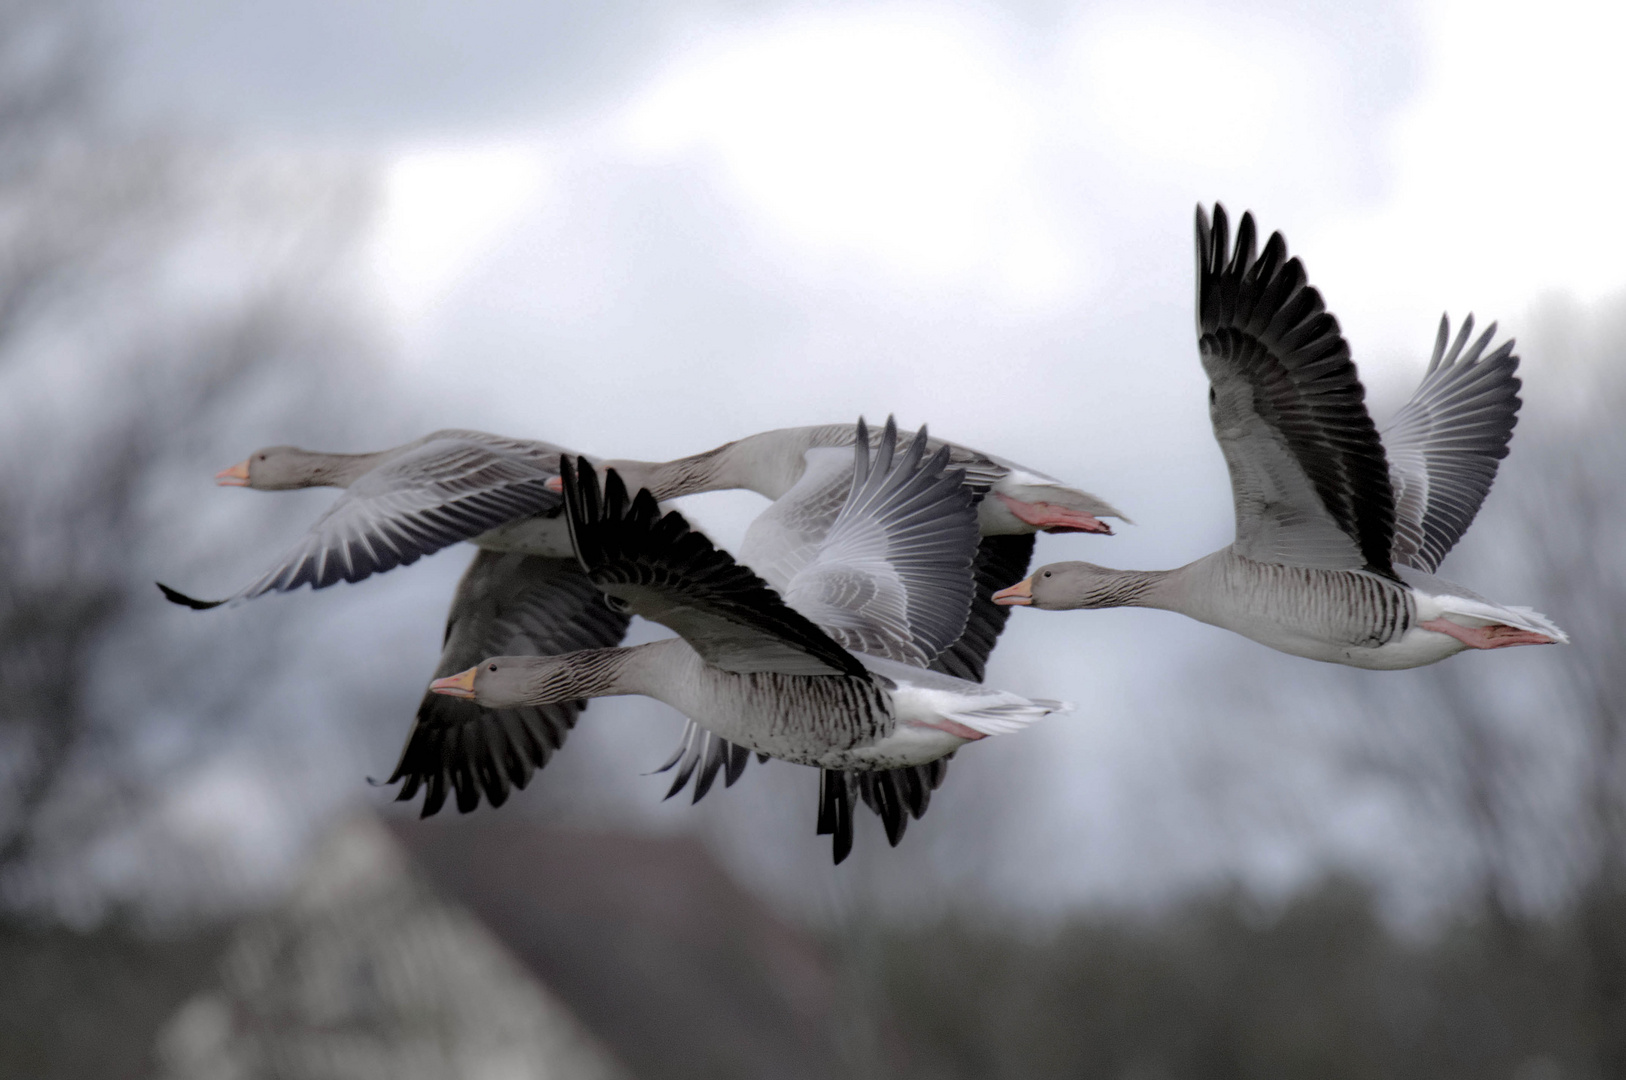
{"x": 175, "y": 596}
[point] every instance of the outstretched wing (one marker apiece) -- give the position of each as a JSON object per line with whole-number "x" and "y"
{"x": 1444, "y": 444}
{"x": 1308, "y": 472}
{"x": 450, "y": 487}
{"x": 893, "y": 576}
{"x": 506, "y": 605}
{"x": 658, "y": 567}
{"x": 1000, "y": 561}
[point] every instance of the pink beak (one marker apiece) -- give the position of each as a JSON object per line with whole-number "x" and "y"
{"x": 555, "y": 483}
{"x": 1018, "y": 595}
{"x": 459, "y": 685}
{"x": 236, "y": 476}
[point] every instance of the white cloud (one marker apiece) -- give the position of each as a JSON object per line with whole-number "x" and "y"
{"x": 443, "y": 207}
{"x": 1508, "y": 169}
{"x": 898, "y": 135}
{"x": 1179, "y": 90}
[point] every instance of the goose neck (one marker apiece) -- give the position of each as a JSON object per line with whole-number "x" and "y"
{"x": 342, "y": 470}
{"x": 723, "y": 468}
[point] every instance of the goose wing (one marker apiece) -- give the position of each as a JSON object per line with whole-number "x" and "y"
{"x": 507, "y": 604}
{"x": 448, "y": 487}
{"x": 1000, "y": 560}
{"x": 893, "y": 577}
{"x": 1308, "y": 471}
{"x": 1444, "y": 444}
{"x": 785, "y": 538}
{"x": 658, "y": 567}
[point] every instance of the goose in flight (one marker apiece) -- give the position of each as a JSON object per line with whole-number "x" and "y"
{"x": 502, "y": 494}
{"x": 828, "y": 671}
{"x": 523, "y": 593}
{"x": 1338, "y": 531}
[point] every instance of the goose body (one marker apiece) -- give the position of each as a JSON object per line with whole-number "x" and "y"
{"x": 831, "y": 674}
{"x": 502, "y": 495}
{"x": 1352, "y": 617}
{"x": 1338, "y": 530}
{"x": 892, "y": 716}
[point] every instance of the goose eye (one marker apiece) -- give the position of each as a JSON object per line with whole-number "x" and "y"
{"x": 262, "y": 457}
{"x": 1047, "y": 573}
{"x": 491, "y": 667}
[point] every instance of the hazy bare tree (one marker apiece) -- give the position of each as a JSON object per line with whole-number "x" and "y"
{"x": 131, "y": 335}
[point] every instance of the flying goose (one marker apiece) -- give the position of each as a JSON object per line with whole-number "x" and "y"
{"x": 806, "y": 471}
{"x": 401, "y": 504}
{"x": 502, "y": 494}
{"x": 827, "y": 672}
{"x": 1338, "y": 532}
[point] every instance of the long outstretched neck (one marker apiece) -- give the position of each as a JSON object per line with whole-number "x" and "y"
{"x": 758, "y": 463}
{"x": 341, "y": 470}
{"x": 1137, "y": 588}
{"x": 593, "y": 673}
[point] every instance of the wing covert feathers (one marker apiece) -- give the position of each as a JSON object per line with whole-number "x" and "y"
{"x": 658, "y": 567}
{"x": 1273, "y": 352}
{"x": 893, "y": 577}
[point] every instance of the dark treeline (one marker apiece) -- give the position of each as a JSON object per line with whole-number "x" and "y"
{"x": 1220, "y": 988}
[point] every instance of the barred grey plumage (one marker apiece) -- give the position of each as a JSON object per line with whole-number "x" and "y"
{"x": 1338, "y": 532}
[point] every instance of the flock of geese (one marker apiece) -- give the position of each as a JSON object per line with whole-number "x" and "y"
{"x": 852, "y": 632}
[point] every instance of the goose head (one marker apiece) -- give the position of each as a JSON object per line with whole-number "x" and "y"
{"x": 511, "y": 682}
{"x": 1066, "y": 585}
{"x": 277, "y": 468}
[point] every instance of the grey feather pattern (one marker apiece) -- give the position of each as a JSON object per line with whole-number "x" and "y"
{"x": 1444, "y": 445}
{"x": 658, "y": 567}
{"x": 447, "y": 487}
{"x": 1000, "y": 561}
{"x": 505, "y": 605}
{"x": 1308, "y": 470}
{"x": 893, "y": 576}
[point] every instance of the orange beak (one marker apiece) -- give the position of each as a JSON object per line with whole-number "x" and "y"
{"x": 459, "y": 685}
{"x": 1018, "y": 595}
{"x": 236, "y": 476}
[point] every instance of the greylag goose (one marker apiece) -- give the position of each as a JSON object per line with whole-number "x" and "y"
{"x": 399, "y": 505}
{"x": 502, "y": 494}
{"x": 1338, "y": 532}
{"x": 806, "y": 471}
{"x": 829, "y": 672}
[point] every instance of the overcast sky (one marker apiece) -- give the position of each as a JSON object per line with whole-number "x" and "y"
{"x": 645, "y": 229}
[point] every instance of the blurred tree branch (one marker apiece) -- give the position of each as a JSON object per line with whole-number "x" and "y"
{"x": 120, "y": 370}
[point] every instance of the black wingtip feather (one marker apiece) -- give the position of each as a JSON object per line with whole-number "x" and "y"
{"x": 622, "y": 542}
{"x": 1259, "y": 314}
{"x": 175, "y": 596}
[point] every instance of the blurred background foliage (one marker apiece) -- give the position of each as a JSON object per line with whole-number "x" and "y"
{"x": 1324, "y": 873}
